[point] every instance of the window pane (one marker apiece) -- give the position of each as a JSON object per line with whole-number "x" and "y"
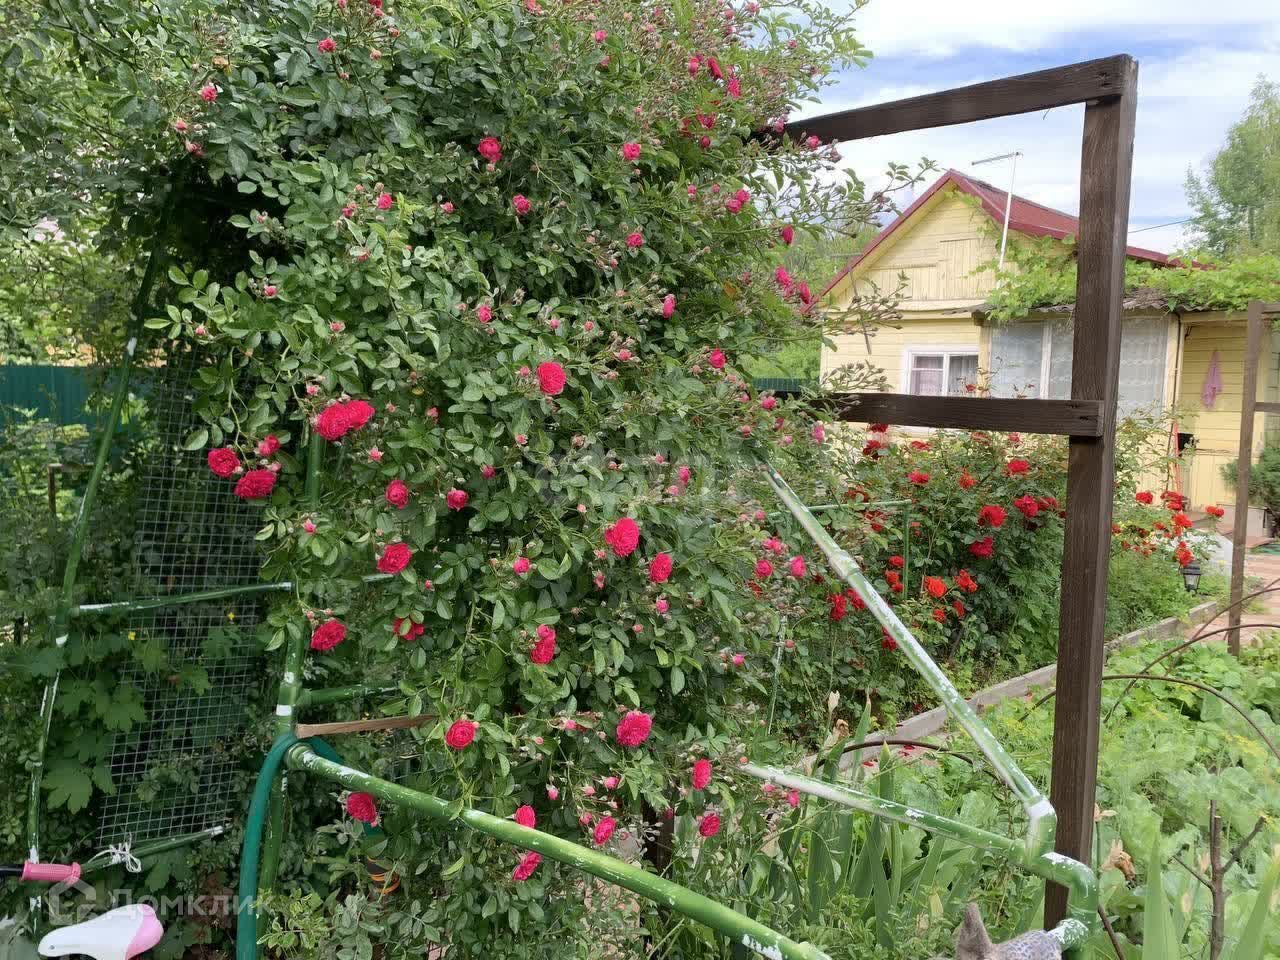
{"x": 926, "y": 375}
{"x": 964, "y": 371}
{"x": 1015, "y": 360}
{"x": 1061, "y": 345}
{"x": 1142, "y": 356}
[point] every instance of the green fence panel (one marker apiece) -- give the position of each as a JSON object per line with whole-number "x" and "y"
{"x": 59, "y": 394}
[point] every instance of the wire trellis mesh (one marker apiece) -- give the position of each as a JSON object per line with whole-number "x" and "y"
{"x": 193, "y": 689}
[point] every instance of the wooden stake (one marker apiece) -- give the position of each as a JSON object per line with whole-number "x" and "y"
{"x": 305, "y": 730}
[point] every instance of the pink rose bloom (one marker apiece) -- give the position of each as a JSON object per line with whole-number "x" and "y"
{"x": 269, "y": 290}
{"x": 490, "y": 149}
{"x": 701, "y": 774}
{"x": 394, "y": 558}
{"x": 768, "y": 403}
{"x": 223, "y": 462}
{"x": 694, "y": 64}
{"x": 660, "y": 568}
{"x": 488, "y": 472}
{"x": 456, "y": 499}
{"x": 716, "y": 359}
{"x": 484, "y": 313}
{"x": 268, "y": 445}
{"x": 797, "y": 566}
{"x": 623, "y": 537}
{"x": 553, "y": 792}
{"x": 520, "y": 565}
{"x": 813, "y": 143}
{"x": 397, "y": 494}
{"x": 525, "y": 816}
{"x": 739, "y": 659}
{"x": 793, "y": 798}
{"x": 446, "y": 207}
{"x": 256, "y": 485}
{"x": 783, "y": 278}
{"x": 327, "y": 45}
{"x": 385, "y": 200}
{"x": 709, "y": 825}
{"x": 525, "y": 868}
{"x": 208, "y": 93}
{"x": 610, "y": 783}
{"x": 819, "y": 432}
{"x": 600, "y": 36}
{"x": 460, "y": 734}
{"x": 361, "y": 807}
{"x": 661, "y": 605}
{"x": 631, "y": 152}
{"x": 604, "y": 830}
{"x": 668, "y": 306}
{"x": 635, "y": 240}
{"x": 521, "y": 204}
{"x": 788, "y": 234}
{"x": 633, "y": 729}
{"x": 551, "y": 378}
{"x": 764, "y": 569}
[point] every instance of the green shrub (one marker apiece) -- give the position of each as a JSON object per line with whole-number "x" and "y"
{"x": 1264, "y": 478}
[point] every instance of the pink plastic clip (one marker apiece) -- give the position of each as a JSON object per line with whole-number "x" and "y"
{"x": 50, "y": 872}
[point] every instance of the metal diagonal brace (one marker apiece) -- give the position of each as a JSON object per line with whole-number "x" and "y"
{"x": 1042, "y": 821}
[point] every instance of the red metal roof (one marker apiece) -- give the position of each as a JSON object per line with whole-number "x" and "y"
{"x": 1025, "y": 216}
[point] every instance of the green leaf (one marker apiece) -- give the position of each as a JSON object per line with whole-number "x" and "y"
{"x": 177, "y": 276}
{"x": 677, "y": 680}
{"x": 197, "y": 439}
{"x": 69, "y": 786}
{"x": 1253, "y": 938}
{"x": 1157, "y": 924}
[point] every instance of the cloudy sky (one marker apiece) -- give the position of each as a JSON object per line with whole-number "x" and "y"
{"x": 1198, "y": 61}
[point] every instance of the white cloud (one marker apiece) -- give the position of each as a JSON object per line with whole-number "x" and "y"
{"x": 942, "y": 27}
{"x": 1189, "y": 92}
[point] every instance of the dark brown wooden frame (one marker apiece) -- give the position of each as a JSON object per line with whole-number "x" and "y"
{"x": 1249, "y": 405}
{"x": 1108, "y": 88}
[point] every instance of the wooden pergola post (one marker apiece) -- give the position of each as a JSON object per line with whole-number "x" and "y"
{"x": 1108, "y": 88}
{"x": 1105, "y": 173}
{"x": 1249, "y": 406}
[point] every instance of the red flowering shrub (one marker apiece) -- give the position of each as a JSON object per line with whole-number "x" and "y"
{"x": 223, "y": 461}
{"x": 255, "y": 484}
{"x": 328, "y": 635}
{"x": 360, "y": 806}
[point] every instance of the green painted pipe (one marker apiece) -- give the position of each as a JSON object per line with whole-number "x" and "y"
{"x": 144, "y": 850}
{"x": 325, "y": 695}
{"x": 741, "y": 930}
{"x": 255, "y": 821}
{"x": 177, "y": 600}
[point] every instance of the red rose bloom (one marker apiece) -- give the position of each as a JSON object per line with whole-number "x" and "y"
{"x": 935, "y": 585}
{"x": 223, "y": 461}
{"x": 991, "y": 516}
{"x": 959, "y": 609}
{"x": 524, "y": 869}
{"x": 397, "y": 494}
{"x": 328, "y": 635}
{"x": 764, "y": 569}
{"x": 918, "y": 478}
{"x": 256, "y": 484}
{"x": 966, "y": 582}
{"x": 1145, "y": 497}
{"x": 872, "y": 448}
{"x": 633, "y": 729}
{"x": 1027, "y": 505}
{"x": 967, "y": 480}
{"x": 939, "y": 614}
{"x": 410, "y": 632}
{"x": 460, "y": 734}
{"x": 623, "y": 537}
{"x": 701, "y": 773}
{"x": 361, "y": 807}
{"x": 896, "y": 561}
{"x": 526, "y": 817}
{"x": 660, "y": 568}
{"x": 709, "y": 825}
{"x": 520, "y": 203}
{"x": 983, "y": 548}
{"x": 394, "y": 558}
{"x": 839, "y": 607}
{"x": 551, "y": 378}
{"x": 635, "y": 240}
{"x": 268, "y": 445}
{"x": 456, "y": 499}
{"x": 1015, "y": 467}
{"x": 1213, "y": 511}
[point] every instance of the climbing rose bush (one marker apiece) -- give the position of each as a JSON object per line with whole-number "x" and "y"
{"x": 503, "y": 265}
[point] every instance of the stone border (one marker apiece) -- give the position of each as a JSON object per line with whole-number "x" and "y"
{"x": 932, "y": 721}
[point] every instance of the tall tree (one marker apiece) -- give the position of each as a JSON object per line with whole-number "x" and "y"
{"x": 1237, "y": 203}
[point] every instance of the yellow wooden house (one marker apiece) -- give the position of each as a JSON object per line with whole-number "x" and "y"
{"x": 1189, "y": 364}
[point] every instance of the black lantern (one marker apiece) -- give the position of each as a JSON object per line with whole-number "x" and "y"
{"x": 1191, "y": 577}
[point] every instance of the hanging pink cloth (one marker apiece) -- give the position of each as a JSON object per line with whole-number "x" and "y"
{"x": 1212, "y": 383}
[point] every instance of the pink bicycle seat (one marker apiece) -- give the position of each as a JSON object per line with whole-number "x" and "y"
{"x": 119, "y": 934}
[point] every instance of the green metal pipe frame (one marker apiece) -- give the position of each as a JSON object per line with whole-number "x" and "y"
{"x": 741, "y": 930}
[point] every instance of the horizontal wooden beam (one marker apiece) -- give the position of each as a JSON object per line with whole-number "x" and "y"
{"x": 1268, "y": 407}
{"x": 1271, "y": 307}
{"x": 1026, "y": 93}
{"x": 305, "y": 730}
{"x": 1072, "y": 418}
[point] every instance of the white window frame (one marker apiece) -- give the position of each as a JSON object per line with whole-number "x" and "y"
{"x": 946, "y": 351}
